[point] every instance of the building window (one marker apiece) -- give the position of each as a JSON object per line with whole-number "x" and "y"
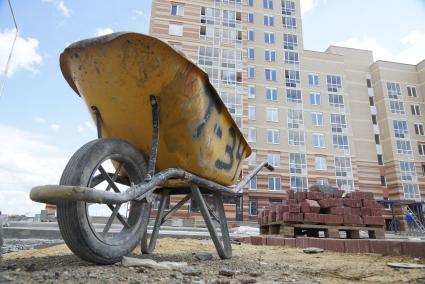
{"x": 268, "y": 20}
{"x": 251, "y": 112}
{"x": 423, "y": 169}
{"x": 421, "y": 148}
{"x": 293, "y": 96}
{"x": 270, "y": 55}
{"x": 377, "y": 139}
{"x": 290, "y": 41}
{"x": 274, "y": 160}
{"x": 268, "y": 4}
{"x": 271, "y": 94}
{"x": 313, "y": 80}
{"x": 409, "y": 180}
{"x": 318, "y": 140}
{"x": 299, "y": 183}
{"x": 297, "y": 163}
{"x": 340, "y": 141}
{"x": 289, "y": 22}
{"x": 320, "y": 163}
{"x": 322, "y": 181}
{"x": 250, "y": 34}
{"x": 251, "y": 72}
{"x": 415, "y": 109}
{"x": 288, "y": 7}
{"x": 296, "y": 138}
{"x": 336, "y": 100}
{"x": 334, "y": 83}
{"x": 317, "y": 119}
{"x": 338, "y": 123}
{"x": 208, "y": 55}
{"x": 269, "y": 38}
{"x": 371, "y": 101}
{"x": 250, "y": 3}
{"x": 393, "y": 90}
{"x": 397, "y": 107}
{"x": 253, "y": 183}
{"x": 252, "y": 160}
{"x": 270, "y": 74}
{"x": 295, "y": 119}
{"x": 403, "y": 147}
{"x": 274, "y": 184}
{"x": 411, "y": 91}
{"x": 380, "y": 160}
{"x": 272, "y": 114}
{"x": 177, "y": 10}
{"x": 369, "y": 83}
{"x": 292, "y": 78}
{"x": 383, "y": 181}
{"x": 250, "y": 17}
{"x": 252, "y": 134}
{"x": 343, "y": 173}
{"x": 273, "y": 136}
{"x": 419, "y": 129}
{"x": 251, "y": 53}
{"x": 231, "y": 77}
{"x": 400, "y": 129}
{"x": 253, "y": 207}
{"x": 374, "y": 121}
{"x": 251, "y": 92}
{"x": 291, "y": 57}
{"x": 175, "y": 29}
{"x": 315, "y": 99}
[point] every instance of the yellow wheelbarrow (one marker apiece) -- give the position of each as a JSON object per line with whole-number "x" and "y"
{"x": 134, "y": 85}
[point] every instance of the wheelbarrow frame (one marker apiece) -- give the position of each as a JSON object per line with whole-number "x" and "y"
{"x": 153, "y": 183}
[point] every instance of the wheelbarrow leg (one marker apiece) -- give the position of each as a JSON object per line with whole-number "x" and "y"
{"x": 148, "y": 248}
{"x": 224, "y": 248}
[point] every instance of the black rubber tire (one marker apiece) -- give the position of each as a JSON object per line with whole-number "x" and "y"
{"x": 73, "y": 217}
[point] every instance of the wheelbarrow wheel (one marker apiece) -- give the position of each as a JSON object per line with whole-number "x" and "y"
{"x": 102, "y": 233}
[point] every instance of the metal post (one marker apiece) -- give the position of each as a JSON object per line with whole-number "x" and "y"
{"x": 155, "y": 136}
{"x": 224, "y": 250}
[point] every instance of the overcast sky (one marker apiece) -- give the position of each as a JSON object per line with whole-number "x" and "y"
{"x": 42, "y": 122}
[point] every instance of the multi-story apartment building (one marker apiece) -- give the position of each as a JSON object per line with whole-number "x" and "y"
{"x": 334, "y": 117}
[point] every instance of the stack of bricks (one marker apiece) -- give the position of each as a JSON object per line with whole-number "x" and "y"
{"x": 335, "y": 208}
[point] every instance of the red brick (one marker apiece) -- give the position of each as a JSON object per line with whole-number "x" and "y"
{"x": 300, "y": 196}
{"x": 282, "y": 208}
{"x": 275, "y": 241}
{"x": 368, "y": 195}
{"x": 376, "y": 211}
{"x": 386, "y": 247}
{"x": 413, "y": 248}
{"x": 265, "y": 219}
{"x": 272, "y": 216}
{"x": 338, "y": 211}
{"x": 333, "y": 219}
{"x": 338, "y": 193}
{"x": 305, "y": 207}
{"x": 353, "y": 220}
{"x": 292, "y": 217}
{"x": 330, "y": 202}
{"x": 291, "y": 194}
{"x": 318, "y": 243}
{"x": 365, "y": 211}
{"x": 292, "y": 201}
{"x": 302, "y": 242}
{"x": 294, "y": 208}
{"x": 358, "y": 195}
{"x": 335, "y": 245}
{"x": 327, "y": 195}
{"x": 355, "y": 211}
{"x": 353, "y": 203}
{"x": 374, "y": 220}
{"x": 357, "y": 246}
{"x": 290, "y": 242}
{"x": 314, "y": 206}
{"x": 314, "y": 218}
{"x": 371, "y": 204}
{"x": 315, "y": 195}
{"x": 258, "y": 240}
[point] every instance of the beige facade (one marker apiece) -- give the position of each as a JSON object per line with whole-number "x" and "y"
{"x": 319, "y": 117}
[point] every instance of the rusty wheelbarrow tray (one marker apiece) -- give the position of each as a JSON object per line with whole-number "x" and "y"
{"x": 134, "y": 85}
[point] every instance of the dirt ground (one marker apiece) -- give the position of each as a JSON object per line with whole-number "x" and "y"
{"x": 250, "y": 264}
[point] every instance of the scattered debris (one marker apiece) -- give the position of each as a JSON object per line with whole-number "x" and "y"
{"x": 145, "y": 262}
{"x": 312, "y": 250}
{"x": 406, "y": 265}
{"x": 227, "y": 272}
{"x": 191, "y": 271}
{"x": 202, "y": 256}
{"x": 256, "y": 273}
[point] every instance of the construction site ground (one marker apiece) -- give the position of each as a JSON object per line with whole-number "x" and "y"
{"x": 249, "y": 264}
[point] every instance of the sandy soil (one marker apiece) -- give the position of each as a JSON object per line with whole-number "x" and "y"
{"x": 250, "y": 264}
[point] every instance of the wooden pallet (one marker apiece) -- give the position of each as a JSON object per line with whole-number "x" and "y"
{"x": 290, "y": 230}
